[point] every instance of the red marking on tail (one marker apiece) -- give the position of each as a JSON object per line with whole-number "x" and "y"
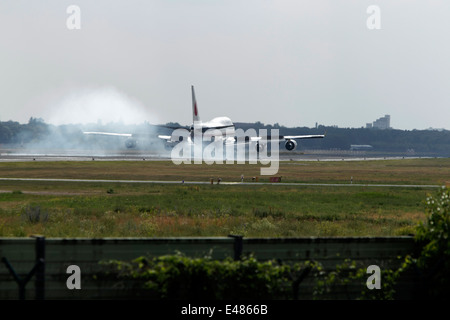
{"x": 195, "y": 109}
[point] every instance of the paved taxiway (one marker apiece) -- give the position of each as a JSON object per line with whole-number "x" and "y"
{"x": 225, "y": 183}
{"x": 135, "y": 156}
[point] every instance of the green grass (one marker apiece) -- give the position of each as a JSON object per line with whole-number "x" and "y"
{"x": 212, "y": 210}
{"x": 81, "y": 209}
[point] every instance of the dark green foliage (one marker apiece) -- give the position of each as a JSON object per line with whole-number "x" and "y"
{"x": 433, "y": 262}
{"x": 179, "y": 277}
{"x": 348, "y": 280}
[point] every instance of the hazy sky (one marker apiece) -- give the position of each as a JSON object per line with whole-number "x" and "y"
{"x": 289, "y": 62}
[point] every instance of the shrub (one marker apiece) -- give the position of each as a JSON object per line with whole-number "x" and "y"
{"x": 34, "y": 214}
{"x": 180, "y": 277}
{"x": 433, "y": 261}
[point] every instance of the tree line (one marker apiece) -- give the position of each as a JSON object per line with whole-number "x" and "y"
{"x": 431, "y": 142}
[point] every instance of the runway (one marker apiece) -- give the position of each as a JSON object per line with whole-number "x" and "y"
{"x": 81, "y": 157}
{"x": 141, "y": 156}
{"x": 223, "y": 183}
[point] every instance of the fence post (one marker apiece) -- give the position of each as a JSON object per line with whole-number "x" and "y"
{"x": 238, "y": 246}
{"x": 40, "y": 271}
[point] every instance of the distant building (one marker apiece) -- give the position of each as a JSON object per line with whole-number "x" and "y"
{"x": 381, "y": 123}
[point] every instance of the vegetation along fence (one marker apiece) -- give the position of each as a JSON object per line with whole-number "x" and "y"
{"x": 38, "y": 268}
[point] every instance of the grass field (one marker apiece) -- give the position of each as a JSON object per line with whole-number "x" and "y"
{"x": 410, "y": 171}
{"x": 89, "y": 209}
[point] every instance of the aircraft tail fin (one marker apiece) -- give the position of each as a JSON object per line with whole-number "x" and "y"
{"x": 195, "y": 115}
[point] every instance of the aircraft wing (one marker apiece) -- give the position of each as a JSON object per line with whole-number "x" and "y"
{"x": 290, "y": 143}
{"x": 109, "y": 134}
{"x": 285, "y": 138}
{"x": 310, "y": 136}
{"x": 128, "y": 135}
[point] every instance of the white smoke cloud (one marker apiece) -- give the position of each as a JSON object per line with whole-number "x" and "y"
{"x": 103, "y": 104}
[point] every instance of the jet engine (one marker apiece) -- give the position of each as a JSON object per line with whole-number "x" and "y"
{"x": 260, "y": 147}
{"x": 290, "y": 144}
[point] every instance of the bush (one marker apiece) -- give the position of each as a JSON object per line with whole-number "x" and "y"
{"x": 433, "y": 261}
{"x": 34, "y": 214}
{"x": 179, "y": 277}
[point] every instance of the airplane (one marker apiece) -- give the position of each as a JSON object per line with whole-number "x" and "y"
{"x": 221, "y": 128}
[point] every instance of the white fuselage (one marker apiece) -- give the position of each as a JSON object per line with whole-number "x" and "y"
{"x": 217, "y": 127}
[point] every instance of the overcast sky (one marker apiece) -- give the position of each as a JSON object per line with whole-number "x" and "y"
{"x": 289, "y": 62}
